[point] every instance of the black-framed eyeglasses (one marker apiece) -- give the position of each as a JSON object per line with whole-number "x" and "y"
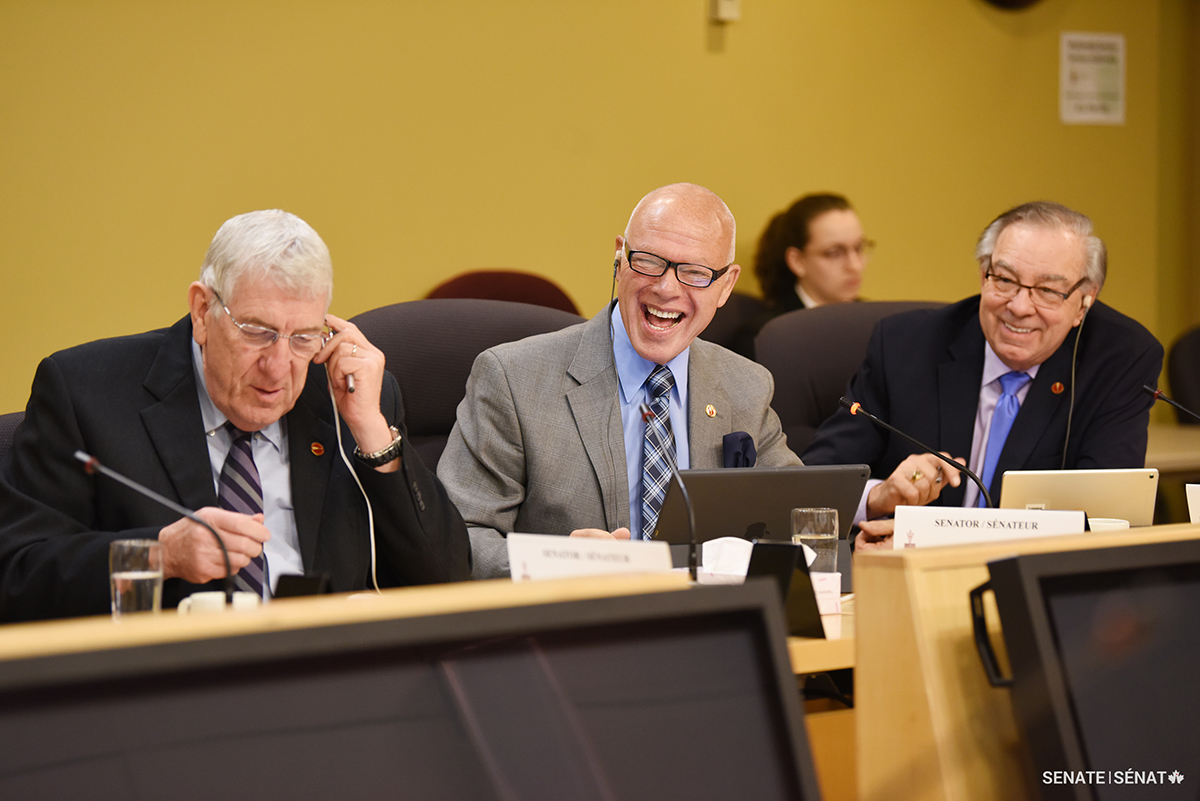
{"x": 1042, "y": 296}
{"x": 257, "y": 336}
{"x": 696, "y": 275}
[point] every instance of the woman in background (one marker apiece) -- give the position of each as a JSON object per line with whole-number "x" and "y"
{"x": 812, "y": 254}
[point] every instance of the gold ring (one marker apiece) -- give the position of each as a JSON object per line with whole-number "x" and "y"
{"x": 354, "y": 350}
{"x": 916, "y": 476}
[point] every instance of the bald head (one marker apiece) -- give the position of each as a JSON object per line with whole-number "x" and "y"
{"x": 691, "y": 201}
{"x": 683, "y": 225}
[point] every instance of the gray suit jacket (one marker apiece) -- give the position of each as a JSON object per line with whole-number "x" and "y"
{"x": 539, "y": 448}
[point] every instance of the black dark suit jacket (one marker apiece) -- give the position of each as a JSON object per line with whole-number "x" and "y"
{"x": 132, "y": 403}
{"x": 923, "y": 371}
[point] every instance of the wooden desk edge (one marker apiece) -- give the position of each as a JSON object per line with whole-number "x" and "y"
{"x": 29, "y": 640}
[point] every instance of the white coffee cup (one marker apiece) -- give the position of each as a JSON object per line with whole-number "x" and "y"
{"x": 214, "y": 601}
{"x": 1107, "y": 523}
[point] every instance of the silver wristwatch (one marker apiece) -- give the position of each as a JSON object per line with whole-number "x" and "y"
{"x": 384, "y": 455}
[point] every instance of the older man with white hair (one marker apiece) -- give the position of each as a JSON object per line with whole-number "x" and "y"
{"x": 1033, "y": 373}
{"x": 234, "y": 411}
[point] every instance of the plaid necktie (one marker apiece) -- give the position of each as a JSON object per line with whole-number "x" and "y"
{"x": 658, "y": 449}
{"x": 1002, "y": 422}
{"x": 241, "y": 491}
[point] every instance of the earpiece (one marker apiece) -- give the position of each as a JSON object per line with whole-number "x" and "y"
{"x": 1087, "y": 301}
{"x": 616, "y": 264}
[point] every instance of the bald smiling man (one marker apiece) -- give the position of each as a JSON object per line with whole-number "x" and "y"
{"x": 549, "y": 439}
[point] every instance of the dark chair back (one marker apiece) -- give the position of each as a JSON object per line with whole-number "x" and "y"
{"x": 813, "y": 354}
{"x": 730, "y": 318}
{"x": 511, "y": 285}
{"x": 8, "y": 424}
{"x": 430, "y": 346}
{"x": 1183, "y": 374}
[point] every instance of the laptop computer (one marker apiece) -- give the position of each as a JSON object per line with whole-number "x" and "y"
{"x": 1127, "y": 494}
{"x": 756, "y": 503}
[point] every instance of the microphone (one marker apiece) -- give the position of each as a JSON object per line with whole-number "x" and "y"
{"x": 92, "y": 465}
{"x": 856, "y": 408}
{"x": 1157, "y": 394}
{"x": 647, "y": 413}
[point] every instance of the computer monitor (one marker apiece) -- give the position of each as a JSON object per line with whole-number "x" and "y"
{"x": 680, "y": 694}
{"x": 1104, "y": 651}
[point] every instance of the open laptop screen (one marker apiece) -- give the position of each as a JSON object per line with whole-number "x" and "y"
{"x": 756, "y": 503}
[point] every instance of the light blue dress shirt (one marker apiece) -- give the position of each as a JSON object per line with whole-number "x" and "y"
{"x": 270, "y": 448}
{"x": 632, "y": 372}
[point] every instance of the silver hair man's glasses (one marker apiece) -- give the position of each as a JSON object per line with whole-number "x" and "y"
{"x": 1042, "y": 296}
{"x": 257, "y": 336}
{"x": 696, "y": 275}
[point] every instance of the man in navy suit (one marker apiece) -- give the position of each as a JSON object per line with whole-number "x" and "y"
{"x": 258, "y": 359}
{"x": 1035, "y": 336}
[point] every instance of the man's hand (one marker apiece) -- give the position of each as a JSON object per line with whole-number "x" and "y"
{"x": 190, "y": 553}
{"x": 601, "y": 534}
{"x": 347, "y": 354}
{"x": 916, "y": 481}
{"x": 874, "y": 535}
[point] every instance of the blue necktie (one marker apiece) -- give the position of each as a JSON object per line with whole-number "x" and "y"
{"x": 658, "y": 452}
{"x": 1002, "y": 422}
{"x": 241, "y": 491}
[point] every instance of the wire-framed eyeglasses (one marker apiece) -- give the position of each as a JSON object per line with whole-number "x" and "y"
{"x": 1042, "y": 296}
{"x": 257, "y": 336}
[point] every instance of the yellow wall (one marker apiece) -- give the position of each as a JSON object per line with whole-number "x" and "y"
{"x": 425, "y": 139}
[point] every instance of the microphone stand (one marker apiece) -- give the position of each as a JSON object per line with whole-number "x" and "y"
{"x": 856, "y": 408}
{"x": 92, "y": 465}
{"x": 1157, "y": 394}
{"x": 647, "y": 413}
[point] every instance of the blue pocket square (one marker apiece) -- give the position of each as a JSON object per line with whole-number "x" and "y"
{"x": 739, "y": 450}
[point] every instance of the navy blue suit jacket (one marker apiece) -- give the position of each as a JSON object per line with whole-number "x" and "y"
{"x": 923, "y": 371}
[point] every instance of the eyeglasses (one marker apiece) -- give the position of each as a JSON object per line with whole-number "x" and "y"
{"x": 1042, "y": 296}
{"x": 304, "y": 345}
{"x": 863, "y": 249}
{"x": 696, "y": 275}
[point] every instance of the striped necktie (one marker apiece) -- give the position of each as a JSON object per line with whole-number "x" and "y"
{"x": 1002, "y": 422}
{"x": 241, "y": 491}
{"x": 658, "y": 449}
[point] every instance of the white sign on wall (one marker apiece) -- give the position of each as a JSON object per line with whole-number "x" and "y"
{"x": 1091, "y": 83}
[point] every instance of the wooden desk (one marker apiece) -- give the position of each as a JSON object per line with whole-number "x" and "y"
{"x": 835, "y": 652}
{"x": 1175, "y": 451}
{"x": 925, "y": 714}
{"x": 830, "y": 731}
{"x": 383, "y": 683}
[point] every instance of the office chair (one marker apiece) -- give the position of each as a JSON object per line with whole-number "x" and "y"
{"x": 813, "y": 354}
{"x": 511, "y": 285}
{"x": 1183, "y": 374}
{"x": 8, "y": 425}
{"x": 729, "y": 319}
{"x": 430, "y": 346}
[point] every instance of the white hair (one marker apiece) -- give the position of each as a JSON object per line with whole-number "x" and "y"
{"x": 271, "y": 244}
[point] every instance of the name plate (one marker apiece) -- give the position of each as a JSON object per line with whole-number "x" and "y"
{"x": 533, "y": 557}
{"x": 923, "y": 526}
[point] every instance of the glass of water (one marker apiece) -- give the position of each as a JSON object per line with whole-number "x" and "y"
{"x": 818, "y": 529}
{"x": 135, "y": 576}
